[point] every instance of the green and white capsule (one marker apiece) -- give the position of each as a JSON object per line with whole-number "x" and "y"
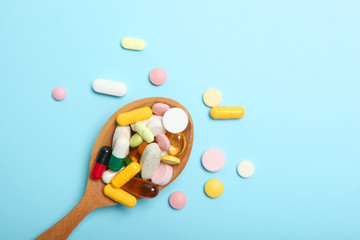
{"x": 119, "y": 153}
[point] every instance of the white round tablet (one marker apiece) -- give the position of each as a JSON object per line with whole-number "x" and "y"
{"x": 245, "y": 169}
{"x": 175, "y": 120}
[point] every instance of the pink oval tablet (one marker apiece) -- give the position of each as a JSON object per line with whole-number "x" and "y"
{"x": 177, "y": 200}
{"x": 163, "y": 142}
{"x": 160, "y": 108}
{"x": 59, "y": 93}
{"x": 157, "y": 76}
{"x": 163, "y": 174}
{"x": 213, "y": 159}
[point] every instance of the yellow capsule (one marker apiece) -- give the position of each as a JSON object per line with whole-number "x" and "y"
{"x": 120, "y": 196}
{"x": 125, "y": 175}
{"x": 134, "y": 116}
{"x": 227, "y": 112}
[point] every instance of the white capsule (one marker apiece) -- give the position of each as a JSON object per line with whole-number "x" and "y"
{"x": 109, "y": 87}
{"x": 121, "y": 131}
{"x": 108, "y": 175}
{"x": 121, "y": 148}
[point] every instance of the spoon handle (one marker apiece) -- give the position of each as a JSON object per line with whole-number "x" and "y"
{"x": 63, "y": 228}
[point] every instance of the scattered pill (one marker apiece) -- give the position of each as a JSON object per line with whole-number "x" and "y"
{"x": 133, "y": 43}
{"x": 177, "y": 200}
{"x": 134, "y": 116}
{"x": 163, "y": 174}
{"x": 108, "y": 175}
{"x": 101, "y": 162}
{"x": 213, "y": 159}
{"x": 150, "y": 160}
{"x": 163, "y": 142}
{"x": 227, "y": 112}
{"x": 175, "y": 120}
{"x": 245, "y": 169}
{"x": 144, "y": 132}
{"x": 135, "y": 140}
{"x": 125, "y": 175}
{"x": 214, "y": 188}
{"x": 109, "y": 87}
{"x": 119, "y": 153}
{"x": 121, "y": 131}
{"x": 156, "y": 127}
{"x": 157, "y": 76}
{"x": 120, "y": 196}
{"x": 160, "y": 108}
{"x": 212, "y": 97}
{"x": 59, "y": 93}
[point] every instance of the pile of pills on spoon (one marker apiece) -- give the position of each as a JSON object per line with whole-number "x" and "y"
{"x": 147, "y": 143}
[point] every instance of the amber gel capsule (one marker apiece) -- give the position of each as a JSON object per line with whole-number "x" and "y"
{"x": 141, "y": 188}
{"x": 101, "y": 162}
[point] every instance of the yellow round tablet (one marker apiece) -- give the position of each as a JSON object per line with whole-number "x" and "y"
{"x": 214, "y": 188}
{"x": 212, "y": 97}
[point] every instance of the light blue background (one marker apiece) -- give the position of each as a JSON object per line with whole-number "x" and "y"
{"x": 293, "y": 66}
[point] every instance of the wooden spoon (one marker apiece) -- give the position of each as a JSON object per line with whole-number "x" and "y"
{"x": 93, "y": 197}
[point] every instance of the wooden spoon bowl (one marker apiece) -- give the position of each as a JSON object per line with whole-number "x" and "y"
{"x": 94, "y": 197}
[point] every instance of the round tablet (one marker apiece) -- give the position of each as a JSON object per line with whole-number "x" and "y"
{"x": 213, "y": 159}
{"x": 157, "y": 76}
{"x": 177, "y": 200}
{"x": 59, "y": 93}
{"x": 212, "y": 97}
{"x": 214, "y": 188}
{"x": 245, "y": 169}
{"x": 175, "y": 120}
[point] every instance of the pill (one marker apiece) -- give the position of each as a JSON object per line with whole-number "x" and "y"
{"x": 150, "y": 160}
{"x": 156, "y": 127}
{"x": 109, "y": 87}
{"x": 157, "y": 76}
{"x": 119, "y": 153}
{"x": 175, "y": 120}
{"x": 108, "y": 175}
{"x": 213, "y": 159}
{"x": 163, "y": 141}
{"x": 141, "y": 188}
{"x": 212, "y": 97}
{"x": 133, "y": 43}
{"x": 177, "y": 200}
{"x": 134, "y": 116}
{"x": 59, "y": 93}
{"x": 135, "y": 140}
{"x": 142, "y": 147}
{"x": 146, "y": 121}
{"x": 144, "y": 132}
{"x": 125, "y": 175}
{"x": 164, "y": 153}
{"x": 214, "y": 188}
{"x": 163, "y": 174}
{"x": 177, "y": 143}
{"x": 128, "y": 160}
{"x": 160, "y": 108}
{"x": 120, "y": 196}
{"x": 101, "y": 162}
{"x": 170, "y": 159}
{"x": 227, "y": 112}
{"x": 134, "y": 155}
{"x": 121, "y": 131}
{"x": 245, "y": 169}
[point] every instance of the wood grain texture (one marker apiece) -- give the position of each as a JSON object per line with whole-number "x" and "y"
{"x": 93, "y": 197}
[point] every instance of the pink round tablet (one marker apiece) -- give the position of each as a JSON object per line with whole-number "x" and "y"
{"x": 163, "y": 142}
{"x": 160, "y": 108}
{"x": 177, "y": 200}
{"x": 213, "y": 159}
{"x": 59, "y": 93}
{"x": 163, "y": 174}
{"x": 157, "y": 76}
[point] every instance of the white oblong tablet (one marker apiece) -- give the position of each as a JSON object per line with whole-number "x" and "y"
{"x": 109, "y": 87}
{"x": 175, "y": 120}
{"x": 121, "y": 131}
{"x": 245, "y": 169}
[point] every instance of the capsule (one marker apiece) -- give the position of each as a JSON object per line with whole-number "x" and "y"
{"x": 120, "y": 196}
{"x": 128, "y": 160}
{"x": 227, "y": 112}
{"x": 125, "y": 175}
{"x": 101, "y": 162}
{"x": 119, "y": 153}
{"x": 134, "y": 116}
{"x": 141, "y": 188}
{"x": 142, "y": 147}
